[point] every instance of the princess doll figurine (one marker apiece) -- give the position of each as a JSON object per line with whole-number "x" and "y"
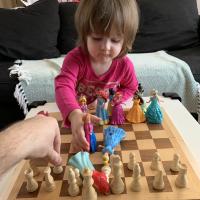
{"x": 136, "y": 114}
{"x": 142, "y": 102}
{"x": 117, "y": 111}
{"x": 89, "y": 133}
{"x": 154, "y": 114}
{"x": 110, "y": 106}
{"x": 101, "y": 111}
{"x": 83, "y": 103}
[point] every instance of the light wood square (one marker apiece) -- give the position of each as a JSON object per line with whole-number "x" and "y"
{"x": 96, "y": 158}
{"x": 166, "y": 154}
{"x": 129, "y": 136}
{"x": 66, "y": 138}
{"x": 146, "y": 144}
{"x": 137, "y": 195}
{"x": 159, "y": 134}
{"x": 140, "y": 127}
{"x": 125, "y": 155}
{"x": 43, "y": 194}
{"x": 99, "y": 136}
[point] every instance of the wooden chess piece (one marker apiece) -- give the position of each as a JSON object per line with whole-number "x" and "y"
{"x": 73, "y": 188}
{"x": 131, "y": 162}
{"x": 88, "y": 192}
{"x": 181, "y": 180}
{"x": 155, "y": 165}
{"x": 49, "y": 182}
{"x": 158, "y": 182}
{"x": 57, "y": 169}
{"x": 78, "y": 178}
{"x": 136, "y": 185}
{"x": 34, "y": 167}
{"x": 117, "y": 184}
{"x": 175, "y": 166}
{"x": 32, "y": 184}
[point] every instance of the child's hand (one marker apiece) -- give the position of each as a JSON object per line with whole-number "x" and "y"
{"x": 79, "y": 142}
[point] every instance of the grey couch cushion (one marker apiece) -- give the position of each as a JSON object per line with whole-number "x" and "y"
{"x": 169, "y": 25}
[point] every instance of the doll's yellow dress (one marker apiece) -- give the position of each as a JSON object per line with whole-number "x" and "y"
{"x": 136, "y": 114}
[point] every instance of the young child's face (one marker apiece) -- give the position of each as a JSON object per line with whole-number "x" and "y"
{"x": 103, "y": 48}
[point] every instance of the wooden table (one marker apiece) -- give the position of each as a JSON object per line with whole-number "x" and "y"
{"x": 183, "y": 122}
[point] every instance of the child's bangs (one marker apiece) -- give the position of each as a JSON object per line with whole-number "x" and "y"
{"x": 103, "y": 24}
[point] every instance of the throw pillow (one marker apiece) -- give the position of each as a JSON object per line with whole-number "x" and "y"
{"x": 67, "y": 36}
{"x": 168, "y": 25}
{"x": 30, "y": 32}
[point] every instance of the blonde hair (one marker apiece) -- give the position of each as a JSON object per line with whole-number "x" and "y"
{"x": 100, "y": 16}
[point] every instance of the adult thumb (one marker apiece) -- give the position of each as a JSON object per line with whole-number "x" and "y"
{"x": 55, "y": 158}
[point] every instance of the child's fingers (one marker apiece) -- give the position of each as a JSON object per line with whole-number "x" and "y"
{"x": 95, "y": 119}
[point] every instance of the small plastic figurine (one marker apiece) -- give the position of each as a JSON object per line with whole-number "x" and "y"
{"x": 117, "y": 111}
{"x": 101, "y": 111}
{"x": 111, "y": 95}
{"x": 89, "y": 133}
{"x": 83, "y": 103}
{"x": 154, "y": 114}
{"x": 140, "y": 94}
{"x": 112, "y": 137}
{"x": 136, "y": 114}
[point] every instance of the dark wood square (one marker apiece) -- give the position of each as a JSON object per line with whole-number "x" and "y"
{"x": 166, "y": 166}
{"x": 142, "y": 135}
{"x": 129, "y": 173}
{"x": 65, "y": 131}
{"x": 23, "y": 193}
{"x": 166, "y": 181}
{"x": 146, "y": 155}
{"x": 98, "y": 167}
{"x": 129, "y": 145}
{"x": 57, "y": 177}
{"x": 126, "y": 127}
{"x": 98, "y": 129}
{"x": 162, "y": 143}
{"x": 64, "y": 149}
{"x": 155, "y": 126}
{"x": 64, "y": 189}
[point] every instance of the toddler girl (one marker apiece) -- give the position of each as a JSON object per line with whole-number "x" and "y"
{"x": 106, "y": 30}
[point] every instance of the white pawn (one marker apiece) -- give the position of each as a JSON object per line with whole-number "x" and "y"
{"x": 131, "y": 162}
{"x": 117, "y": 184}
{"x": 181, "y": 180}
{"x": 57, "y": 169}
{"x": 88, "y": 192}
{"x": 73, "y": 188}
{"x": 78, "y": 178}
{"x": 155, "y": 165}
{"x": 136, "y": 185}
{"x": 34, "y": 167}
{"x": 49, "y": 182}
{"x": 158, "y": 182}
{"x": 32, "y": 184}
{"x": 175, "y": 166}
{"x": 107, "y": 170}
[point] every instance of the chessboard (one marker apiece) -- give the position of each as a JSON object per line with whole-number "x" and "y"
{"x": 143, "y": 140}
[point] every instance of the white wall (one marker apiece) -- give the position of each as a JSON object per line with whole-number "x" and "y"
{"x": 198, "y": 4}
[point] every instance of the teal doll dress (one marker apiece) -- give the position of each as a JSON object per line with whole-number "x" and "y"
{"x": 154, "y": 114}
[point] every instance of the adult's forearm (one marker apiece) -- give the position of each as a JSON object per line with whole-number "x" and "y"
{"x": 11, "y": 147}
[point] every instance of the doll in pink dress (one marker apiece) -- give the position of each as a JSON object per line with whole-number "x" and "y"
{"x": 117, "y": 110}
{"x": 83, "y": 103}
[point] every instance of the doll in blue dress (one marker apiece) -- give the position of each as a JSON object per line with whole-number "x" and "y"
{"x": 101, "y": 110}
{"x": 154, "y": 114}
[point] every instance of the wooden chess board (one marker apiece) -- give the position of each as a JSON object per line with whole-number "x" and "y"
{"x": 143, "y": 140}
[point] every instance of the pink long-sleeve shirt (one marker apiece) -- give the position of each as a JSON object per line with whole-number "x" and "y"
{"x": 78, "y": 78}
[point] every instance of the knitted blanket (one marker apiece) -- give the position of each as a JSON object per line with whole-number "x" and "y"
{"x": 157, "y": 70}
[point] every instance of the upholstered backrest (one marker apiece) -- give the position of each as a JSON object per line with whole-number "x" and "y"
{"x": 169, "y": 25}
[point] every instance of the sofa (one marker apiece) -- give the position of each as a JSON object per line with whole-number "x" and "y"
{"x": 45, "y": 31}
